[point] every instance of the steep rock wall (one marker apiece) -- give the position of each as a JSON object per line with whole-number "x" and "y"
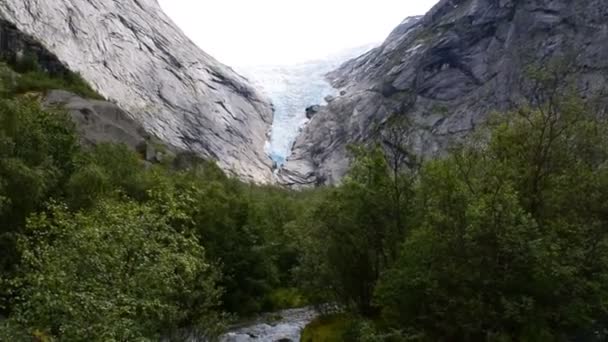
{"x": 133, "y": 55}
{"x": 446, "y": 72}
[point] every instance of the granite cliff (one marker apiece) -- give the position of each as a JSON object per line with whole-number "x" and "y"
{"x": 445, "y": 72}
{"x": 133, "y": 55}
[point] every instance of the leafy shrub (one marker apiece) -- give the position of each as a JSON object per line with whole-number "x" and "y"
{"x": 119, "y": 272}
{"x": 508, "y": 245}
{"x": 330, "y": 328}
{"x": 284, "y": 298}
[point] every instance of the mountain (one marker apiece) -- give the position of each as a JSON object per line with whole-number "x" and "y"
{"x": 445, "y": 72}
{"x": 292, "y": 88}
{"x": 134, "y": 55}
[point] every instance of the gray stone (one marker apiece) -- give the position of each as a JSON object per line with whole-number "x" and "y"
{"x": 447, "y": 71}
{"x": 312, "y": 110}
{"x": 99, "y": 121}
{"x": 133, "y": 55}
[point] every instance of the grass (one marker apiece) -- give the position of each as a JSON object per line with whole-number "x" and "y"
{"x": 26, "y": 75}
{"x": 329, "y": 328}
{"x": 40, "y": 81}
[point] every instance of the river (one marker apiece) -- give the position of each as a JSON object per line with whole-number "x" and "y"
{"x": 283, "y": 326}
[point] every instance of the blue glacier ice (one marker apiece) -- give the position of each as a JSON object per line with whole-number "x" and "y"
{"x": 293, "y": 88}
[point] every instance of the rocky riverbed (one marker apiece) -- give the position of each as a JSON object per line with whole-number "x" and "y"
{"x": 283, "y": 326}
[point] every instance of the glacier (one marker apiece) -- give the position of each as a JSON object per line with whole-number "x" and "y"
{"x": 293, "y": 88}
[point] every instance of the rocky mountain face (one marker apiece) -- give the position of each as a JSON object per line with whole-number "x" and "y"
{"x": 445, "y": 72}
{"x": 133, "y": 55}
{"x": 102, "y": 122}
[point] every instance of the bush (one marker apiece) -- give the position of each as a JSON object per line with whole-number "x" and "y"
{"x": 331, "y": 328}
{"x": 118, "y": 272}
{"x": 509, "y": 244}
{"x": 284, "y": 298}
{"x": 353, "y": 234}
{"x": 36, "y": 156}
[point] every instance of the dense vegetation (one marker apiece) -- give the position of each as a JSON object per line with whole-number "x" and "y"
{"x": 502, "y": 239}
{"x": 96, "y": 244}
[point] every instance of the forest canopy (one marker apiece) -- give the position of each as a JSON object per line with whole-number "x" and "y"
{"x": 503, "y": 238}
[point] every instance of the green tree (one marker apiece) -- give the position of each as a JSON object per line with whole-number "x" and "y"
{"x": 355, "y": 231}
{"x": 105, "y": 170}
{"x": 511, "y": 241}
{"x": 240, "y": 227}
{"x": 118, "y": 272}
{"x": 37, "y": 148}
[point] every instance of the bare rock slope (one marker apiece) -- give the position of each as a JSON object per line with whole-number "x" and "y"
{"x": 132, "y": 54}
{"x": 446, "y": 72}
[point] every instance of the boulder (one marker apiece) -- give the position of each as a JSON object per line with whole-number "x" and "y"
{"x": 99, "y": 121}
{"x": 312, "y": 110}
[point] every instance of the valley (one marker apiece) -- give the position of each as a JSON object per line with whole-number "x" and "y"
{"x": 449, "y": 183}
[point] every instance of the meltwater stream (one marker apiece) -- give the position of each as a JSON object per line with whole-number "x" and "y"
{"x": 293, "y": 88}
{"x": 287, "y": 327}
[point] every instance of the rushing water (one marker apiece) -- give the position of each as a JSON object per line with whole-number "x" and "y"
{"x": 287, "y": 326}
{"x": 293, "y": 88}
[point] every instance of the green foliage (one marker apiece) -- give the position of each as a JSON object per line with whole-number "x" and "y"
{"x": 503, "y": 239}
{"x": 26, "y": 75}
{"x": 107, "y": 169}
{"x": 109, "y": 205}
{"x": 40, "y": 81}
{"x": 119, "y": 272}
{"x": 330, "y": 328}
{"x": 357, "y": 230}
{"x": 454, "y": 265}
{"x": 36, "y": 149}
{"x": 510, "y": 243}
{"x": 87, "y": 185}
{"x": 284, "y": 298}
{"x": 223, "y": 213}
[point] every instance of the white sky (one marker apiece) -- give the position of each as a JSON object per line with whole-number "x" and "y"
{"x": 254, "y": 32}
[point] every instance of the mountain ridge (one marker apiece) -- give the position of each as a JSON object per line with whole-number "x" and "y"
{"x": 133, "y": 54}
{"x": 444, "y": 73}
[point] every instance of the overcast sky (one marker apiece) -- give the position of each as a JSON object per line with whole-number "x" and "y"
{"x": 254, "y": 32}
